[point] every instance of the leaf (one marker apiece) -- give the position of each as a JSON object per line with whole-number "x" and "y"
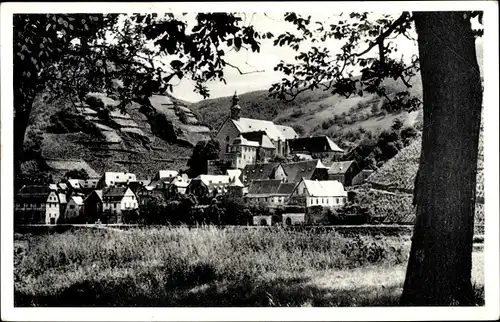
{"x": 237, "y": 43}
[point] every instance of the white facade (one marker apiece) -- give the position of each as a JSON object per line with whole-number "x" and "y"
{"x": 117, "y": 205}
{"x": 167, "y": 174}
{"x": 320, "y": 193}
{"x": 52, "y": 209}
{"x": 113, "y": 178}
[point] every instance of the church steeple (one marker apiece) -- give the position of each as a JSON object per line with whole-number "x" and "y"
{"x": 235, "y": 108}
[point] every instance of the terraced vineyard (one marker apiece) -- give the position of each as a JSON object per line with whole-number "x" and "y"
{"x": 398, "y": 175}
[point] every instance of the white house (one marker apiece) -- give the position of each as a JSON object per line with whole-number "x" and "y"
{"x": 118, "y": 199}
{"x": 166, "y": 174}
{"x": 110, "y": 179}
{"x": 309, "y": 193}
{"x": 36, "y": 205}
{"x": 235, "y": 126}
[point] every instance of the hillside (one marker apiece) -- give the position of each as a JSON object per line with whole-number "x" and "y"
{"x": 398, "y": 175}
{"x": 319, "y": 112}
{"x": 314, "y": 111}
{"x": 142, "y": 140}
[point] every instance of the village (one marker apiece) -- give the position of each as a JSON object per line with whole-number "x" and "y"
{"x": 259, "y": 163}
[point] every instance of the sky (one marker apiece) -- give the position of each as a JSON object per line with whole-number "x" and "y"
{"x": 268, "y": 57}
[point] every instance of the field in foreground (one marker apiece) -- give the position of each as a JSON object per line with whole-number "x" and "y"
{"x": 213, "y": 267}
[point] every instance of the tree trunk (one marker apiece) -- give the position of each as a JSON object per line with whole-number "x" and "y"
{"x": 24, "y": 96}
{"x": 439, "y": 268}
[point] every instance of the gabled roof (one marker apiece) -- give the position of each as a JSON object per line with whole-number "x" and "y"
{"x": 240, "y": 140}
{"x": 275, "y": 132}
{"x": 114, "y": 192}
{"x": 62, "y": 198}
{"x": 260, "y": 137}
{"x": 53, "y": 186}
{"x": 315, "y": 144}
{"x": 286, "y": 188}
{"x": 264, "y": 187}
{"x": 78, "y": 200}
{"x": 295, "y": 171}
{"x": 98, "y": 193}
{"x": 287, "y": 132}
{"x": 330, "y": 188}
{"x": 259, "y": 171}
{"x": 62, "y": 185}
{"x": 74, "y": 183}
{"x": 270, "y": 187}
{"x": 210, "y": 180}
{"x": 233, "y": 173}
{"x": 33, "y": 191}
{"x": 236, "y": 182}
{"x": 340, "y": 167}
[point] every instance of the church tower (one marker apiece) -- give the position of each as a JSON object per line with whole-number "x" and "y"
{"x": 235, "y": 108}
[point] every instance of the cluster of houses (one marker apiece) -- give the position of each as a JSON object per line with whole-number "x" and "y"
{"x": 307, "y": 176}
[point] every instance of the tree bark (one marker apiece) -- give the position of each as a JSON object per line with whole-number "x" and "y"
{"x": 439, "y": 267}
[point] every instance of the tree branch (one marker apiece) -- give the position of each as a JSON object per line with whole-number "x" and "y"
{"x": 241, "y": 72}
{"x": 402, "y": 19}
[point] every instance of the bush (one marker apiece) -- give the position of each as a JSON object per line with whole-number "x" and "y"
{"x": 299, "y": 129}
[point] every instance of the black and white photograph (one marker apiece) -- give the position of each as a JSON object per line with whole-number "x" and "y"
{"x": 249, "y": 155}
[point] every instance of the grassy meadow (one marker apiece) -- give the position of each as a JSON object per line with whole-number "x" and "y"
{"x": 209, "y": 266}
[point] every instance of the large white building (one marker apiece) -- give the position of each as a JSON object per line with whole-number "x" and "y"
{"x": 309, "y": 193}
{"x": 256, "y": 139}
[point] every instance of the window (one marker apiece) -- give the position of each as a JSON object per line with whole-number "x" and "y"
{"x": 116, "y": 177}
{"x": 72, "y": 207}
{"x": 327, "y": 201}
{"x": 322, "y": 201}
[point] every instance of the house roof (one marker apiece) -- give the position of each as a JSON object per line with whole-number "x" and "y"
{"x": 88, "y": 184}
{"x": 62, "y": 198}
{"x": 264, "y": 187}
{"x": 275, "y": 132}
{"x": 286, "y": 188}
{"x": 330, "y": 188}
{"x": 78, "y": 200}
{"x": 295, "y": 171}
{"x": 287, "y": 132}
{"x": 114, "y": 192}
{"x": 34, "y": 192}
{"x": 233, "y": 173}
{"x": 260, "y": 137}
{"x": 259, "y": 171}
{"x": 210, "y": 180}
{"x": 62, "y": 185}
{"x": 270, "y": 187}
{"x": 74, "y": 183}
{"x": 53, "y": 186}
{"x": 236, "y": 182}
{"x": 167, "y": 174}
{"x": 240, "y": 140}
{"x": 315, "y": 144}
{"x": 340, "y": 167}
